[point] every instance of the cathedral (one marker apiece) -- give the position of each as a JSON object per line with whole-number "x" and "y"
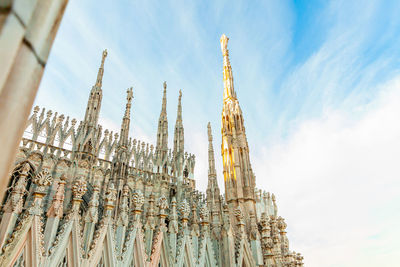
{"x": 81, "y": 195}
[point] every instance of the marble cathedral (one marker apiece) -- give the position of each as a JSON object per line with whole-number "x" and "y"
{"x": 83, "y": 196}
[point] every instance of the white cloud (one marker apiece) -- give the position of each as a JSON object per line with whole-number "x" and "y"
{"x": 337, "y": 183}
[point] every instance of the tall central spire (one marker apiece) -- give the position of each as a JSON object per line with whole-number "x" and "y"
{"x": 238, "y": 174}
{"x": 229, "y": 91}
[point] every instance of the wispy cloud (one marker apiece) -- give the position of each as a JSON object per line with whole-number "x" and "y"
{"x": 337, "y": 183}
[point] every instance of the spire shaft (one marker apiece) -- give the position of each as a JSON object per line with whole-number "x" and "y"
{"x": 179, "y": 132}
{"x": 162, "y": 132}
{"x": 126, "y": 118}
{"x": 238, "y": 175}
{"x": 213, "y": 193}
{"x": 211, "y": 160}
{"x": 164, "y": 100}
{"x": 96, "y": 95}
{"x": 99, "y": 80}
{"x": 229, "y": 91}
{"x": 179, "y": 114}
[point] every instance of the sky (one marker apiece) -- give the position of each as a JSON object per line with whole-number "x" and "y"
{"x": 318, "y": 83}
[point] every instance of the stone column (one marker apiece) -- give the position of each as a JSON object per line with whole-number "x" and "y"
{"x": 27, "y": 32}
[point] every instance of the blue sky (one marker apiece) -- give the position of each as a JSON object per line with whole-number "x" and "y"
{"x": 318, "y": 83}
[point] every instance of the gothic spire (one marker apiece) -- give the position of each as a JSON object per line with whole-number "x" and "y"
{"x": 164, "y": 100}
{"x": 96, "y": 95}
{"x": 213, "y": 192}
{"x": 99, "y": 80}
{"x": 229, "y": 91}
{"x": 179, "y": 132}
{"x": 162, "y": 132}
{"x": 238, "y": 175}
{"x": 126, "y": 119}
{"x": 212, "y": 174}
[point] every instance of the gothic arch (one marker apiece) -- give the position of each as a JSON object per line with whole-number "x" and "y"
{"x": 15, "y": 175}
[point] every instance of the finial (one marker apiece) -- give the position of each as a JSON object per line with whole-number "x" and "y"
{"x": 165, "y": 85}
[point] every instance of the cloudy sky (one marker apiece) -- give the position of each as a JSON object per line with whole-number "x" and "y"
{"x": 318, "y": 83}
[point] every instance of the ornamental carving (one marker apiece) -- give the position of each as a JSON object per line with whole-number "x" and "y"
{"x": 162, "y": 203}
{"x": 204, "y": 213}
{"x": 42, "y": 180}
{"x": 111, "y": 195}
{"x": 79, "y": 187}
{"x": 56, "y": 208}
{"x": 184, "y": 209}
{"x": 239, "y": 214}
{"x": 137, "y": 199}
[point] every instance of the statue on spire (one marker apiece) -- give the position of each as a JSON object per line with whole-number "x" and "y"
{"x": 104, "y": 55}
{"x": 224, "y": 44}
{"x": 129, "y": 96}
